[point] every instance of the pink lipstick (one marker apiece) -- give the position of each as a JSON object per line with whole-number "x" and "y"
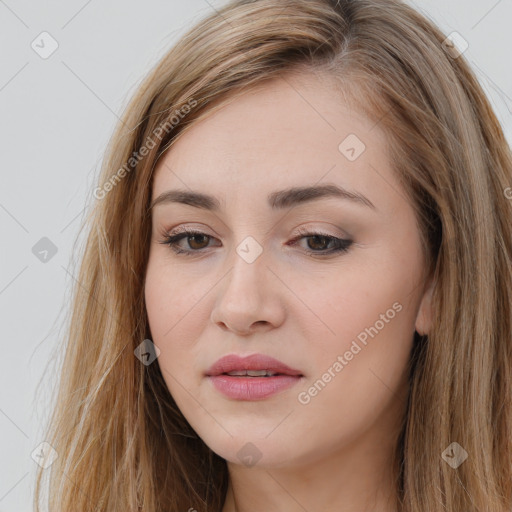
{"x": 254, "y": 377}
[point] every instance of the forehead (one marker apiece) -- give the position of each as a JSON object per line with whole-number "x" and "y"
{"x": 291, "y": 131}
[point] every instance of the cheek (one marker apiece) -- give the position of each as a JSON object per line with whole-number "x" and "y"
{"x": 173, "y": 308}
{"x": 367, "y": 315}
{"x": 358, "y": 352}
{"x": 171, "y": 297}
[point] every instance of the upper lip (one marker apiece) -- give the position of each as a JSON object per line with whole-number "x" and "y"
{"x": 233, "y": 362}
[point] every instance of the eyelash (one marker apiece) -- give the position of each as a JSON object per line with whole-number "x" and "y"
{"x": 342, "y": 245}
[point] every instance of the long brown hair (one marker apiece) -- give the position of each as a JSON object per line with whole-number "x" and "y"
{"x": 121, "y": 441}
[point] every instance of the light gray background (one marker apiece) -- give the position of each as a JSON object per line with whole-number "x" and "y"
{"x": 57, "y": 115}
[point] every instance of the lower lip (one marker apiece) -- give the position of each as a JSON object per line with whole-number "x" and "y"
{"x": 252, "y": 388}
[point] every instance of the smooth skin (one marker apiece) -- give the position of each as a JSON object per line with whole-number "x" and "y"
{"x": 333, "y": 453}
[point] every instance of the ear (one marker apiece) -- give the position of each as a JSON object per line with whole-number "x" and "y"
{"x": 424, "y": 316}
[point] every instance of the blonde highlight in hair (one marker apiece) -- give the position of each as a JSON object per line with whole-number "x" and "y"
{"x": 122, "y": 442}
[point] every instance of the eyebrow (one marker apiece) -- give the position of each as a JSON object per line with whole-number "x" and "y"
{"x": 276, "y": 200}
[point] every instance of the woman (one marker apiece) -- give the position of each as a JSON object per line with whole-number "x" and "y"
{"x": 296, "y": 291}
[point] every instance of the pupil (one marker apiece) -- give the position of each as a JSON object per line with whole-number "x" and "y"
{"x": 316, "y": 238}
{"x": 194, "y": 237}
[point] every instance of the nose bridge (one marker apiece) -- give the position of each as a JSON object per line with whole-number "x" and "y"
{"x": 248, "y": 269}
{"x": 246, "y": 295}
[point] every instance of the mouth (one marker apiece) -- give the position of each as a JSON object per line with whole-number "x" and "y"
{"x": 251, "y": 378}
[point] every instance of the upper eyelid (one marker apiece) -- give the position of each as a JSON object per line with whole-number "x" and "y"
{"x": 309, "y": 227}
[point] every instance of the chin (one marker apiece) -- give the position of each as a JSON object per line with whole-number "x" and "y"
{"x": 253, "y": 451}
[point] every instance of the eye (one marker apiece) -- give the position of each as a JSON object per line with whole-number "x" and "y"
{"x": 318, "y": 243}
{"x": 195, "y": 239}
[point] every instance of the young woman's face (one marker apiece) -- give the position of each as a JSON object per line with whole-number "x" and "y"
{"x": 329, "y": 284}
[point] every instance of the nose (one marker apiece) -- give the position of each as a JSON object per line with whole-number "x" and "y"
{"x": 250, "y": 298}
